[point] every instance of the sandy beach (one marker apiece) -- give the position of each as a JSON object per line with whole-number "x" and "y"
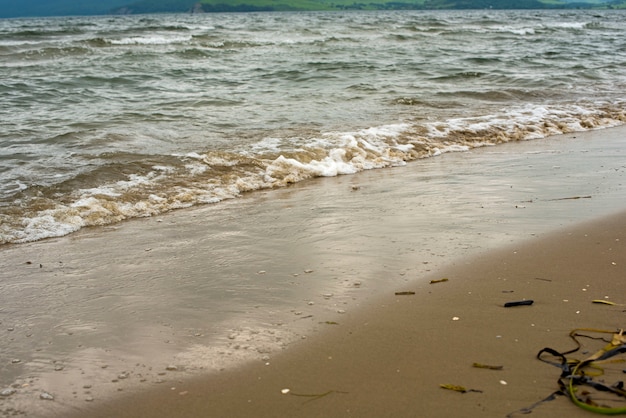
{"x": 310, "y": 214}
{"x": 283, "y": 303}
{"x": 389, "y": 359}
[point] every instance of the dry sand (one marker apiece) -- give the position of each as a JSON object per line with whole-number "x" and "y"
{"x": 388, "y": 360}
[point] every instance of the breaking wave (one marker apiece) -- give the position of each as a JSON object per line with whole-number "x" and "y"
{"x": 161, "y": 184}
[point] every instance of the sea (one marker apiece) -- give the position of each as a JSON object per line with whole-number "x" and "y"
{"x": 108, "y": 118}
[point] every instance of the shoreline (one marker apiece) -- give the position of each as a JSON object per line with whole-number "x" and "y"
{"x": 389, "y": 358}
{"x": 157, "y": 302}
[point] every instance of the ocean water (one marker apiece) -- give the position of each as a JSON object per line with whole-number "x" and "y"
{"x": 110, "y": 118}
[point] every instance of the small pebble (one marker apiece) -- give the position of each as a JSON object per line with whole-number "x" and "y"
{"x": 285, "y": 391}
{"x": 171, "y": 368}
{"x": 308, "y": 271}
{"x": 11, "y": 391}
{"x": 46, "y": 396}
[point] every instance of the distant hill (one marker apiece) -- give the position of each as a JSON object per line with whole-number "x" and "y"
{"x": 158, "y": 6}
{"x": 18, "y": 8}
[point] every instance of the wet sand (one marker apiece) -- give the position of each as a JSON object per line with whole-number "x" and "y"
{"x": 388, "y": 359}
{"x": 178, "y": 315}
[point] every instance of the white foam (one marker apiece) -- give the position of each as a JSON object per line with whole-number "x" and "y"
{"x": 516, "y": 30}
{"x": 163, "y": 168}
{"x": 47, "y": 225}
{"x": 101, "y": 191}
{"x": 269, "y": 144}
{"x": 193, "y": 155}
{"x": 196, "y": 169}
{"x": 151, "y": 40}
{"x": 18, "y": 187}
{"x": 570, "y": 25}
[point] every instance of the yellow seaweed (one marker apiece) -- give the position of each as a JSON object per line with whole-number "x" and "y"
{"x": 604, "y": 302}
{"x": 455, "y": 388}
{"x": 487, "y": 366}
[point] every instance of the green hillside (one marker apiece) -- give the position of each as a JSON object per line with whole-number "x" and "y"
{"x": 17, "y": 8}
{"x": 157, "y": 6}
{"x": 14, "y": 8}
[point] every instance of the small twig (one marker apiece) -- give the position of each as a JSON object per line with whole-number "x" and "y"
{"x": 487, "y": 366}
{"x": 315, "y": 396}
{"x": 570, "y": 198}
